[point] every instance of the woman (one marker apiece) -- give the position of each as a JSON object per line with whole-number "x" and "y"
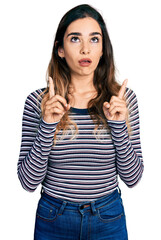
{"x": 79, "y": 134}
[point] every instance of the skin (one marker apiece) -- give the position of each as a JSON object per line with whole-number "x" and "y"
{"x": 82, "y": 42}
{"x": 85, "y": 45}
{"x": 116, "y": 109}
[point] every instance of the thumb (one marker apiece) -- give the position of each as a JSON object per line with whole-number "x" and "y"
{"x": 106, "y": 105}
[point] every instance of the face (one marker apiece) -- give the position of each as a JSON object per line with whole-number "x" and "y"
{"x": 82, "y": 46}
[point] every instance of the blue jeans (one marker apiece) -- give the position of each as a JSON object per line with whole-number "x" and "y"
{"x": 103, "y": 219}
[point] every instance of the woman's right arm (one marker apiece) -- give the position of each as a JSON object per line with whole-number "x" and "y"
{"x": 36, "y": 144}
{"x": 38, "y": 135}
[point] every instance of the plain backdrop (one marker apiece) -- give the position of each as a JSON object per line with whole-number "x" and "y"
{"x": 27, "y": 30}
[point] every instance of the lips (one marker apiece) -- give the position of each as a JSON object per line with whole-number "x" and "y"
{"x": 85, "y": 62}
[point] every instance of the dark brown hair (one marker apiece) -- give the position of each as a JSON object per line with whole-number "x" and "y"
{"x": 104, "y": 75}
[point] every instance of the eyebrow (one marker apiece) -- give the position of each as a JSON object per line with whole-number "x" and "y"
{"x": 79, "y": 34}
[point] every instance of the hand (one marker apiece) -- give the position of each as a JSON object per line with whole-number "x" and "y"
{"x": 116, "y": 109}
{"x": 55, "y": 107}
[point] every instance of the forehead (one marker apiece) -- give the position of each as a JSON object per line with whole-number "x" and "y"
{"x": 84, "y": 26}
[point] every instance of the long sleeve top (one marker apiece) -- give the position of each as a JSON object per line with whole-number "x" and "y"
{"x": 84, "y": 168}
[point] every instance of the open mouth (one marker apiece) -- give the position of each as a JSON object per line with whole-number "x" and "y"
{"x": 85, "y": 60}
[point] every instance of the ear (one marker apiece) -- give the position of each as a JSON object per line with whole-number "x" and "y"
{"x": 61, "y": 52}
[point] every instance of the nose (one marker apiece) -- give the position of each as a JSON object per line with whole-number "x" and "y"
{"x": 85, "y": 49}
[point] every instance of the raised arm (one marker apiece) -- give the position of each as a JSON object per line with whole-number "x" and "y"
{"x": 129, "y": 161}
{"x": 36, "y": 144}
{"x": 37, "y": 136}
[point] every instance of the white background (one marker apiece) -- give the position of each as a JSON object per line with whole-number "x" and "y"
{"x": 27, "y": 34}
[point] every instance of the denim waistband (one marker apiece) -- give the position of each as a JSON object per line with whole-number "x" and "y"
{"x": 94, "y": 204}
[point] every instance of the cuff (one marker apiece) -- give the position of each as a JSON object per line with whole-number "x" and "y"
{"x": 119, "y": 131}
{"x": 47, "y": 130}
{"x": 49, "y": 126}
{"x": 117, "y": 126}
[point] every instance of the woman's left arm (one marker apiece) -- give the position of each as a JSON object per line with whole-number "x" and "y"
{"x": 129, "y": 159}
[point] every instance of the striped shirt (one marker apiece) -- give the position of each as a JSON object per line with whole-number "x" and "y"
{"x": 84, "y": 168}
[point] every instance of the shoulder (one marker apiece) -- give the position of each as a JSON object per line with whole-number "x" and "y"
{"x": 130, "y": 96}
{"x": 33, "y": 100}
{"x": 132, "y": 102}
{"x": 37, "y": 95}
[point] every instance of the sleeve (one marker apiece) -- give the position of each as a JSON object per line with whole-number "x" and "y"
{"x": 129, "y": 161}
{"x": 36, "y": 144}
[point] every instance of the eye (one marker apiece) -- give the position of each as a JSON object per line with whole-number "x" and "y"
{"x": 74, "y": 39}
{"x": 95, "y": 39}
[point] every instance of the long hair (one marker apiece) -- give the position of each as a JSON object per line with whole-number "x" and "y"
{"x": 104, "y": 75}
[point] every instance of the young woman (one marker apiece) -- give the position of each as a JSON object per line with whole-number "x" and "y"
{"x": 79, "y": 134}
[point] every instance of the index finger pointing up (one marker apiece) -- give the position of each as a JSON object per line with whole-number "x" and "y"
{"x": 122, "y": 89}
{"x": 51, "y": 88}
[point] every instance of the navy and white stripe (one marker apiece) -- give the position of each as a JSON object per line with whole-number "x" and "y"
{"x": 84, "y": 168}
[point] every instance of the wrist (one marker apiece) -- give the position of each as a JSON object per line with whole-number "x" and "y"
{"x": 117, "y": 126}
{"x": 49, "y": 122}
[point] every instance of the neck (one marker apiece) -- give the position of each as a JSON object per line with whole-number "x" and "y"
{"x": 82, "y": 84}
